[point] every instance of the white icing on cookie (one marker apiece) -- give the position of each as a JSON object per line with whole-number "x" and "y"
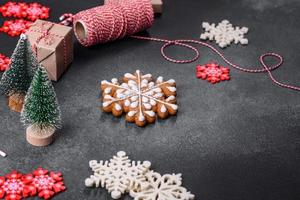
{"x": 152, "y": 102}
{"x": 158, "y": 95}
{"x": 163, "y": 109}
{"x": 147, "y": 106}
{"x": 120, "y": 95}
{"x": 151, "y": 84}
{"x": 118, "y": 91}
{"x": 144, "y": 83}
{"x": 118, "y": 107}
{"x": 134, "y": 104}
{"x": 150, "y": 113}
{"x": 145, "y": 99}
{"x": 131, "y": 113}
{"x": 107, "y": 90}
{"x": 128, "y": 75}
{"x": 141, "y": 117}
{"x": 127, "y": 92}
{"x": 172, "y": 89}
{"x": 150, "y": 93}
{"x": 147, "y": 76}
{"x": 170, "y": 98}
{"x": 127, "y": 103}
{"x": 125, "y": 85}
{"x": 108, "y": 97}
{"x": 157, "y": 90}
{"x": 174, "y": 107}
{"x": 171, "y": 81}
{"x": 114, "y": 81}
{"x": 107, "y": 103}
{"x": 104, "y": 82}
{"x": 160, "y": 79}
{"x": 134, "y": 98}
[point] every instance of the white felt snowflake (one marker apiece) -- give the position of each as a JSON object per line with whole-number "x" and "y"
{"x": 224, "y": 33}
{"x": 119, "y": 175}
{"x": 140, "y": 97}
{"x": 166, "y": 187}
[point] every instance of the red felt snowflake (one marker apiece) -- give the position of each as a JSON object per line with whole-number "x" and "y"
{"x": 37, "y": 11}
{"x": 15, "y": 27}
{"x": 31, "y": 11}
{"x": 11, "y": 186}
{"x": 13, "y": 9}
{"x": 4, "y": 62}
{"x": 213, "y": 73}
{"x": 47, "y": 185}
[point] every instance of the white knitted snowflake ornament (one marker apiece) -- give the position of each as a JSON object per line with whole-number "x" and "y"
{"x": 119, "y": 175}
{"x": 166, "y": 187}
{"x": 224, "y": 33}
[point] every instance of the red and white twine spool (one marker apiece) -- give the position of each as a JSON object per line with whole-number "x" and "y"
{"x": 114, "y": 20}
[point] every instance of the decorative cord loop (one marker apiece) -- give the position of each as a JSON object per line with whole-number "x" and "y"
{"x": 185, "y": 43}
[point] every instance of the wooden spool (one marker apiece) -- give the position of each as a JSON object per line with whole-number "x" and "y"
{"x": 38, "y": 137}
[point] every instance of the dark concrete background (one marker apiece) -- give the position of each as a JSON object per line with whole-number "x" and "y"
{"x": 237, "y": 140}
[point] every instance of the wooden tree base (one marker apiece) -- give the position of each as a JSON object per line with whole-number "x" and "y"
{"x": 15, "y": 102}
{"x": 37, "y": 137}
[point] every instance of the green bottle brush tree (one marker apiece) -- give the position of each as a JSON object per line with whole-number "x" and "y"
{"x": 16, "y": 81}
{"x": 41, "y": 111}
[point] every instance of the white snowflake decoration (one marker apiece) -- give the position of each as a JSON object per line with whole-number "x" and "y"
{"x": 224, "y": 33}
{"x": 119, "y": 175}
{"x": 140, "y": 97}
{"x": 166, "y": 187}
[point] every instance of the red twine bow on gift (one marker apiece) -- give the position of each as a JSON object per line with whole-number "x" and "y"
{"x": 48, "y": 38}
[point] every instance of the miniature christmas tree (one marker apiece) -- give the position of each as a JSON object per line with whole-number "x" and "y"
{"x": 23, "y": 61}
{"x": 41, "y": 112}
{"x": 16, "y": 81}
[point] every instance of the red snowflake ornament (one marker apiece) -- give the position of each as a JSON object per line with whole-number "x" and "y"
{"x": 47, "y": 184}
{"x": 37, "y": 11}
{"x": 4, "y": 62}
{"x": 15, "y": 27}
{"x": 13, "y": 9}
{"x": 213, "y": 73}
{"x": 11, "y": 186}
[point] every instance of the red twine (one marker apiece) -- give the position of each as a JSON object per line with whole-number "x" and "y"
{"x": 16, "y": 186}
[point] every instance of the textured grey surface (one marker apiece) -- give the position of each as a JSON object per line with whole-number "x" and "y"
{"x": 237, "y": 140}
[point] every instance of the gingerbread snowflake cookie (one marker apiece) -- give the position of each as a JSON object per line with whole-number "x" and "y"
{"x": 140, "y": 97}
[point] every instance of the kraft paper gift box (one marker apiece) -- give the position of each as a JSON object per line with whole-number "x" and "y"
{"x": 53, "y": 46}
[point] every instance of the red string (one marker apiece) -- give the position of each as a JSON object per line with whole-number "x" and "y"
{"x": 185, "y": 43}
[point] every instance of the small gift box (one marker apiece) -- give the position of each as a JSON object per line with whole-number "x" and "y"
{"x": 53, "y": 45}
